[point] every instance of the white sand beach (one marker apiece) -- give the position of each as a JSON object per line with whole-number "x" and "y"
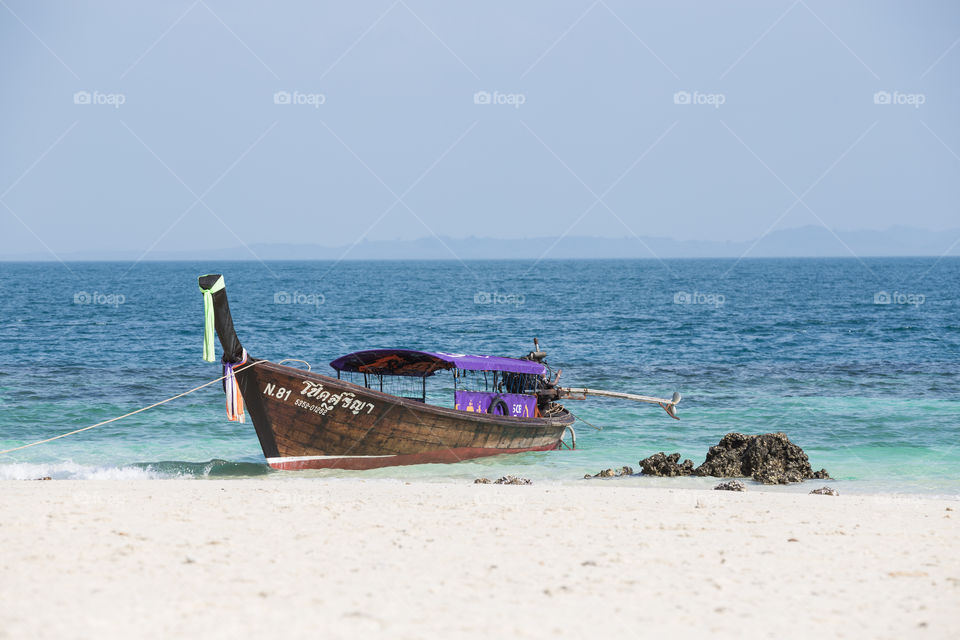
{"x": 339, "y": 558}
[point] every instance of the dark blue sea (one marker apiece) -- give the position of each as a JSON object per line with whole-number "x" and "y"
{"x": 856, "y": 360}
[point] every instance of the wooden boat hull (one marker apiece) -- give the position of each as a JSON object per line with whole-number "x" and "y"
{"x": 306, "y": 420}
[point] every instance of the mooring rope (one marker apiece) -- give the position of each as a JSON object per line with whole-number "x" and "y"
{"x": 571, "y": 413}
{"x": 127, "y": 415}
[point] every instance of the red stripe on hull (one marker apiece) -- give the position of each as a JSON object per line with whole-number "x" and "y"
{"x": 444, "y": 456}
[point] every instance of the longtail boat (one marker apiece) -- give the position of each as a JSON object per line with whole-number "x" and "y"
{"x": 375, "y": 412}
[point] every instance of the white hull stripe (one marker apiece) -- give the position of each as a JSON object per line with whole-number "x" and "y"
{"x": 305, "y": 458}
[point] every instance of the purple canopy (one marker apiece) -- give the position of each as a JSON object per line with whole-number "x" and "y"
{"x": 406, "y": 362}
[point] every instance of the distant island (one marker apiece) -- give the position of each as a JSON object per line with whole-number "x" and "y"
{"x": 809, "y": 241}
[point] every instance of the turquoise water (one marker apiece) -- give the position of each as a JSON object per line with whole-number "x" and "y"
{"x": 870, "y": 391}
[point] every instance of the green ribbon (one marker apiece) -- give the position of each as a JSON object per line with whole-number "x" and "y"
{"x": 209, "y": 353}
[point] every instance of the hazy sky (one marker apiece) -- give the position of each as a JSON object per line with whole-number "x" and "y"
{"x": 185, "y": 142}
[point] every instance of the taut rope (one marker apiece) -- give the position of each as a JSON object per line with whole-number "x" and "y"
{"x": 127, "y": 415}
{"x": 571, "y": 413}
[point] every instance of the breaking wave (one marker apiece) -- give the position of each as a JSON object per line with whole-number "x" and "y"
{"x": 167, "y": 469}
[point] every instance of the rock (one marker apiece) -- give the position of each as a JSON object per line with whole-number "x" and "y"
{"x": 825, "y": 491}
{"x": 44, "y": 478}
{"x": 730, "y": 485}
{"x": 661, "y": 464}
{"x": 771, "y": 476}
{"x": 612, "y": 473}
{"x": 503, "y": 480}
{"x": 769, "y": 458}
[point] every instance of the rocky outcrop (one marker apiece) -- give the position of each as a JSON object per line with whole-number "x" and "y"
{"x": 730, "y": 485}
{"x": 612, "y": 473}
{"x": 825, "y": 491}
{"x": 661, "y": 464}
{"x": 769, "y": 458}
{"x": 504, "y": 480}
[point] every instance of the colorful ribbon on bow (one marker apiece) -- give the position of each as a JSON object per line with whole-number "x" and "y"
{"x": 208, "y": 350}
{"x": 234, "y": 396}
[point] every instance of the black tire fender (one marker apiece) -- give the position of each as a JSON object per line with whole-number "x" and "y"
{"x": 499, "y": 402}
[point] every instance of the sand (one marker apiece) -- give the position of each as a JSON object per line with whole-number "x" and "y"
{"x": 347, "y": 558}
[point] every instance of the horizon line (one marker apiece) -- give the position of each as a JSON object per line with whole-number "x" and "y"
{"x": 575, "y": 259}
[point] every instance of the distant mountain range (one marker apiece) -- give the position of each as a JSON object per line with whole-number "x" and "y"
{"x": 809, "y": 241}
